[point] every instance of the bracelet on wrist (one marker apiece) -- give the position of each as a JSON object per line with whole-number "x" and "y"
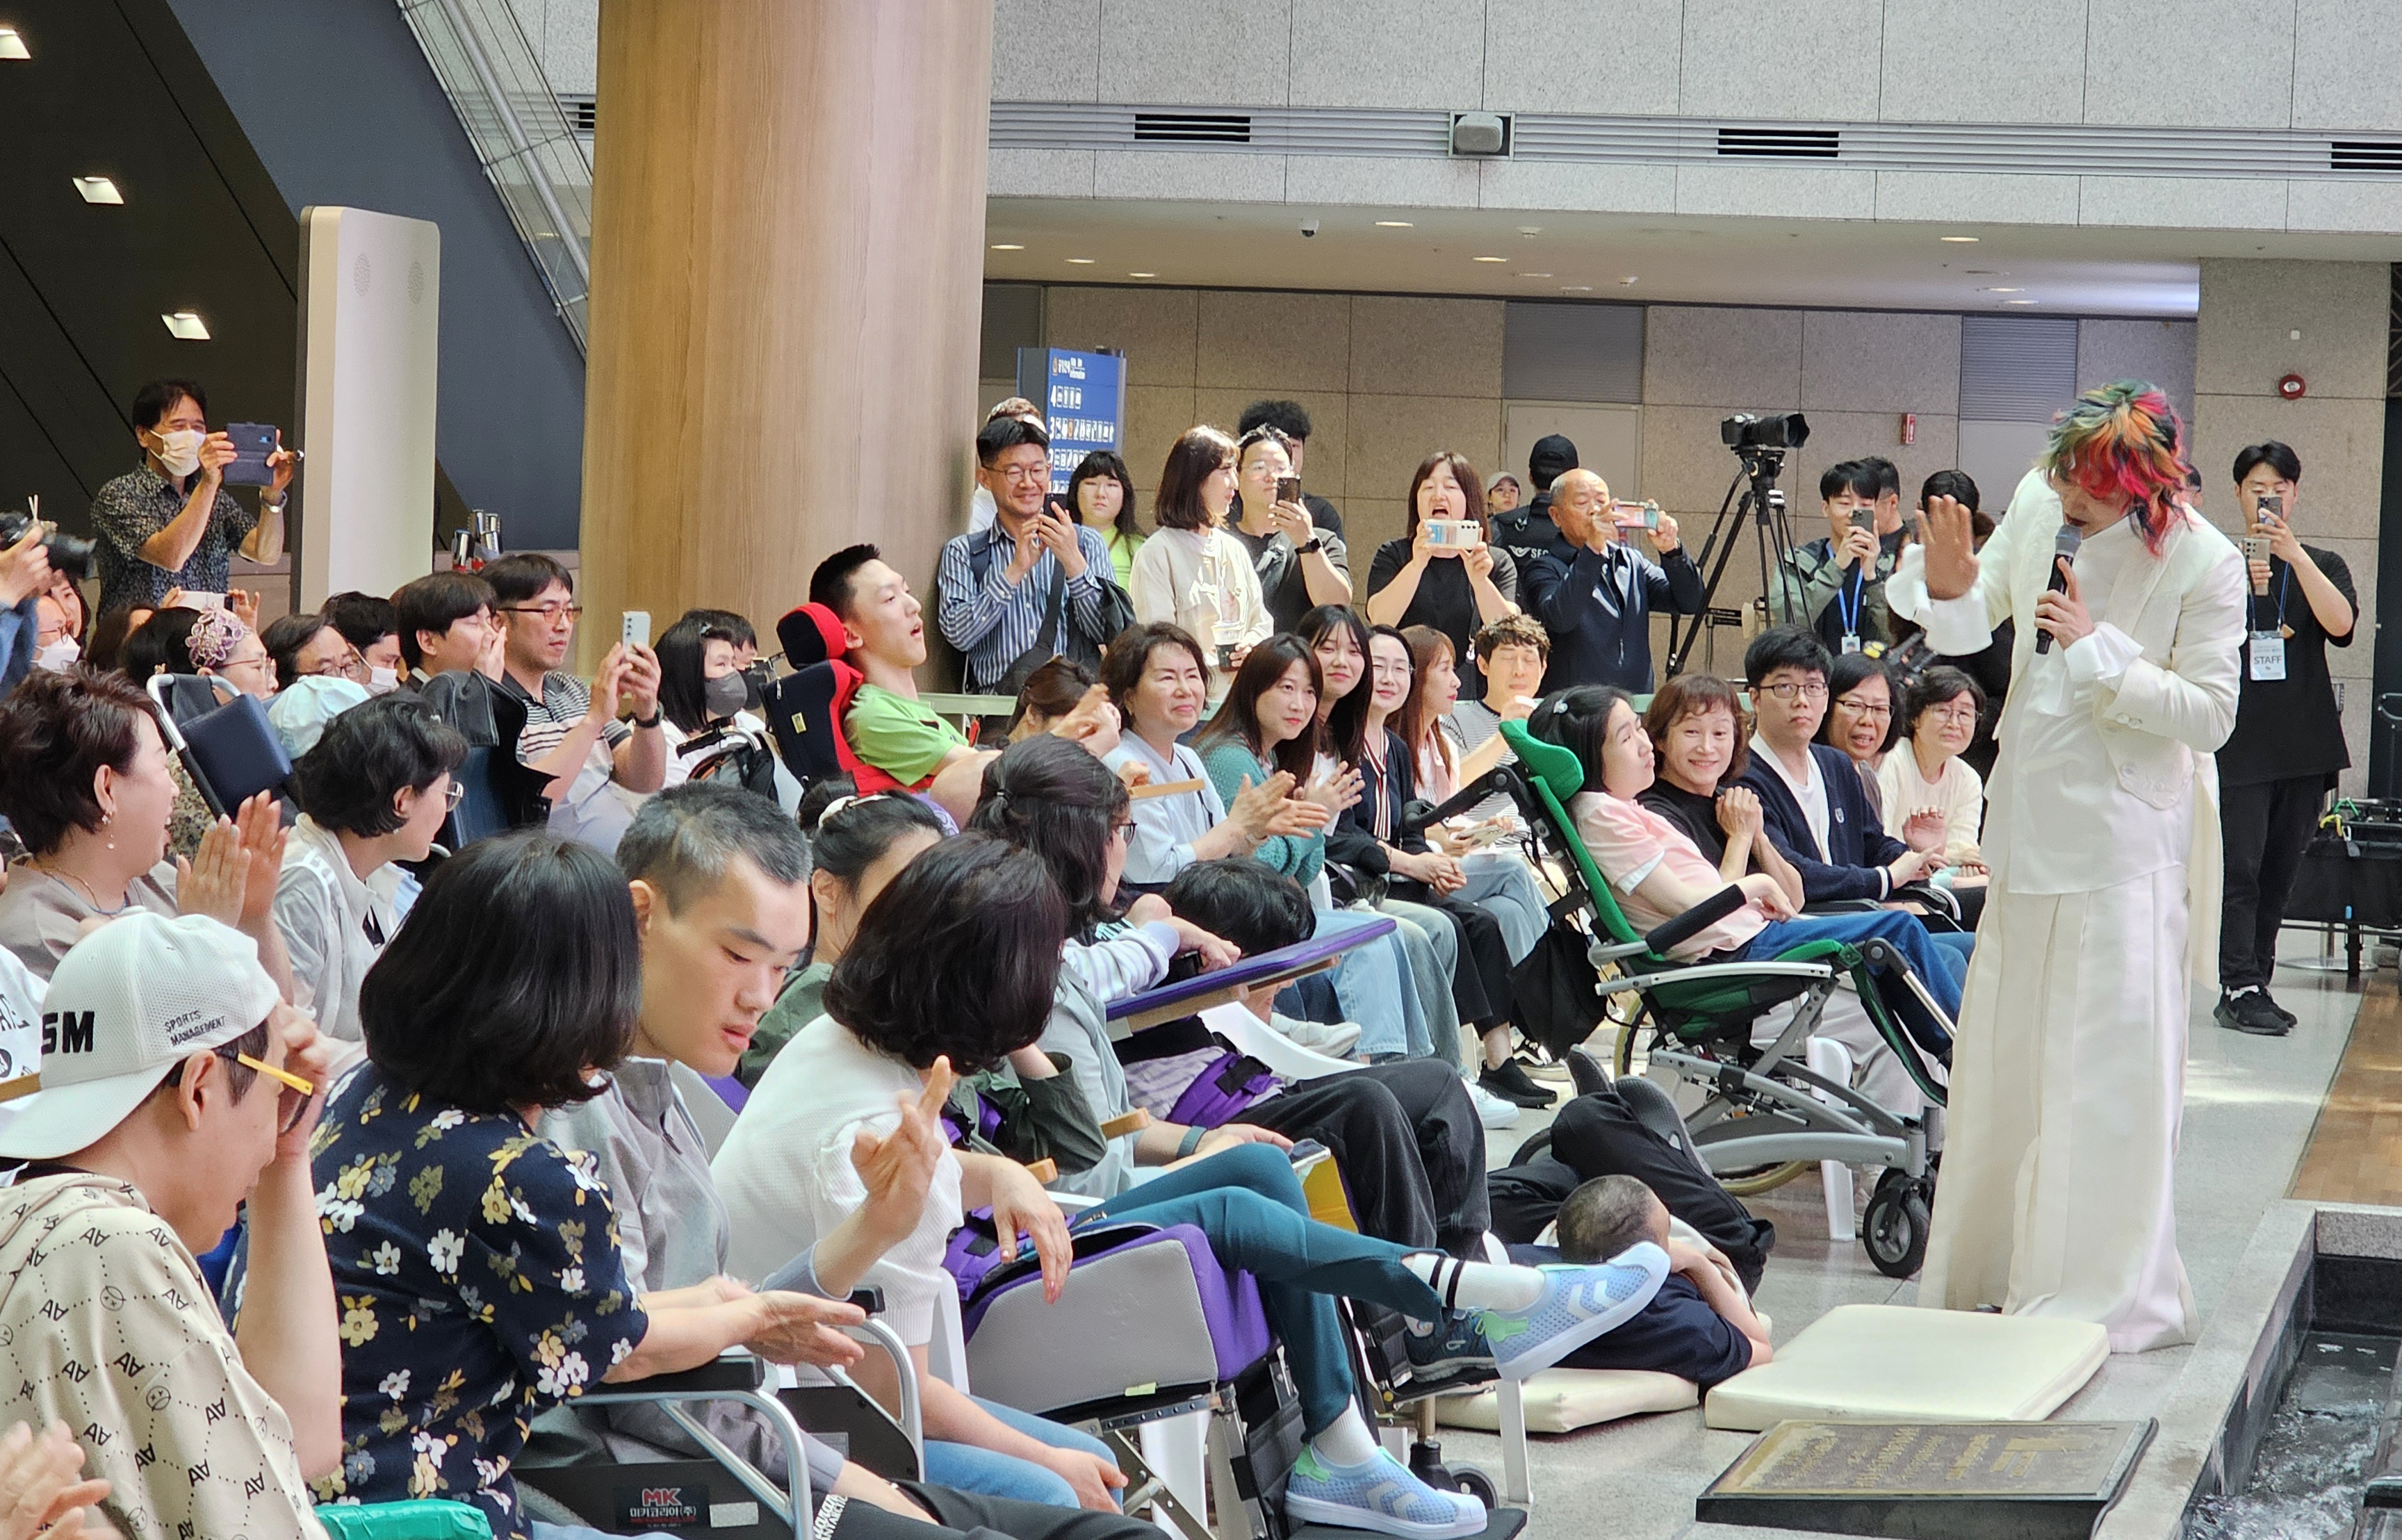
{"x": 1190, "y": 1142}
{"x": 651, "y": 721}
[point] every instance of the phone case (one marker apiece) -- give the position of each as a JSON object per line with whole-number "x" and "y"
{"x": 252, "y": 442}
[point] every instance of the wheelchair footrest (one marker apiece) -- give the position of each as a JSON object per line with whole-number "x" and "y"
{"x": 1501, "y": 1525}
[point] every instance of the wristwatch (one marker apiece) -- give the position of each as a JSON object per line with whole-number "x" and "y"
{"x": 651, "y": 721}
{"x": 1316, "y": 543}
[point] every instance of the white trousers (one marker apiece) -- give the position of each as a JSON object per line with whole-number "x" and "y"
{"x": 2057, "y": 1196}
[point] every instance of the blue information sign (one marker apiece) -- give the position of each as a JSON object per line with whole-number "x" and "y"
{"x": 1082, "y": 397}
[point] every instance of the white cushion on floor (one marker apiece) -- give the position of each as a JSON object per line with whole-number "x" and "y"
{"x": 1898, "y": 1362}
{"x": 1562, "y": 1400}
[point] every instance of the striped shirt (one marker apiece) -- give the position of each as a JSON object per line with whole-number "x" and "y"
{"x": 993, "y": 621}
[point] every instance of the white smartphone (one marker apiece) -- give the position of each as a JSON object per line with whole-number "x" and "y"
{"x": 1456, "y": 533}
{"x": 636, "y": 629}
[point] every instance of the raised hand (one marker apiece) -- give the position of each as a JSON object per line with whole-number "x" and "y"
{"x": 260, "y": 822}
{"x": 898, "y": 1168}
{"x": 211, "y": 880}
{"x": 1951, "y": 549}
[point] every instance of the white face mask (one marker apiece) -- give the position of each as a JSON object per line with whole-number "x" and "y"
{"x": 180, "y": 451}
{"x": 383, "y": 682}
{"x": 57, "y": 656}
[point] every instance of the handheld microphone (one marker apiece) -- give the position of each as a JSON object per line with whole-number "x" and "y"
{"x": 2062, "y": 544}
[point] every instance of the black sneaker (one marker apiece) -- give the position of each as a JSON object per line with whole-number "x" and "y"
{"x": 1510, "y": 1081}
{"x": 1456, "y": 1347}
{"x": 2250, "y": 1011}
{"x": 2291, "y": 1020}
{"x": 1586, "y": 1071}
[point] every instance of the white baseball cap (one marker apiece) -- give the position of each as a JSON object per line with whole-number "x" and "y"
{"x": 300, "y": 713}
{"x": 127, "y": 1004}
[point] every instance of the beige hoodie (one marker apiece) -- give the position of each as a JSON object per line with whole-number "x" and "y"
{"x": 106, "y": 1325}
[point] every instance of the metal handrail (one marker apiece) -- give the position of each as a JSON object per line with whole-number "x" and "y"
{"x": 479, "y": 53}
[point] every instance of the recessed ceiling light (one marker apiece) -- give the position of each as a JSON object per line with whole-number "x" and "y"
{"x": 2000, "y": 289}
{"x": 1080, "y": 261}
{"x": 187, "y": 326}
{"x": 1959, "y": 240}
{"x": 2018, "y": 301}
{"x": 1628, "y": 279}
{"x": 97, "y": 189}
{"x": 12, "y": 46}
{"x": 1007, "y": 246}
{"x": 1488, "y": 259}
{"x": 1530, "y": 229}
{"x": 1142, "y": 275}
{"x": 1576, "y": 288}
{"x": 1534, "y": 275}
{"x": 1394, "y": 225}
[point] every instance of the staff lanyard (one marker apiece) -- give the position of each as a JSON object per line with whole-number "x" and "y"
{"x": 2283, "y": 580}
{"x": 1857, "y": 593}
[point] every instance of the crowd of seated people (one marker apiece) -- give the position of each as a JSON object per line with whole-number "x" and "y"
{"x": 425, "y": 1110}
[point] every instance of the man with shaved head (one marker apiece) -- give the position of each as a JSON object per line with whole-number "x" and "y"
{"x": 1597, "y": 605}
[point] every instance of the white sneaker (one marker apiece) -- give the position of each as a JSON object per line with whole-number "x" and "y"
{"x": 1491, "y": 1110}
{"x": 1334, "y": 1041}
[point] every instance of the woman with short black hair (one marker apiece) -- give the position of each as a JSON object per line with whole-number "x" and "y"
{"x": 1101, "y": 490}
{"x": 377, "y": 787}
{"x": 710, "y": 701}
{"x": 476, "y": 1262}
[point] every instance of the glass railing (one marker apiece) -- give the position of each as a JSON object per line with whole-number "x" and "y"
{"x": 527, "y": 143}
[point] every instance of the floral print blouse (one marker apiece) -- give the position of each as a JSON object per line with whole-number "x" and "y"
{"x": 480, "y": 1282}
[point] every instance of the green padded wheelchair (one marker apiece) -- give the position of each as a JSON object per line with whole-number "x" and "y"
{"x": 1764, "y": 1115}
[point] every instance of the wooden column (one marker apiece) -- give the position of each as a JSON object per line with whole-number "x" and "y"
{"x": 787, "y": 293}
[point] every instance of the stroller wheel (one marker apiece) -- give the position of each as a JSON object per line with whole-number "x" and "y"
{"x": 1896, "y": 1226}
{"x": 1477, "y": 1485}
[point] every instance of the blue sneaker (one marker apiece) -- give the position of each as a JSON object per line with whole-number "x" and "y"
{"x": 1578, "y": 1304}
{"x": 1381, "y": 1495}
{"x": 1456, "y": 1346}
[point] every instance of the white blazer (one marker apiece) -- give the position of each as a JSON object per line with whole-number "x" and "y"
{"x": 2173, "y": 706}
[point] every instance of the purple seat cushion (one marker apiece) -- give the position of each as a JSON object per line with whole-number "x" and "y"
{"x": 729, "y": 1090}
{"x": 1230, "y": 1299}
{"x": 1300, "y": 954}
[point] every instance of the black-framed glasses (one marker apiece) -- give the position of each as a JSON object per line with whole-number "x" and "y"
{"x": 547, "y": 611}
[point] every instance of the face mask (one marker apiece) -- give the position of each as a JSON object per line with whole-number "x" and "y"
{"x": 383, "y": 682}
{"x": 57, "y": 656}
{"x": 725, "y": 694}
{"x": 180, "y": 451}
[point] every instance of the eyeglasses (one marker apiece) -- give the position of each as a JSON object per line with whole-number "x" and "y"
{"x": 350, "y": 666}
{"x": 262, "y": 661}
{"x": 292, "y": 1101}
{"x": 1866, "y": 708}
{"x": 1121, "y": 828}
{"x": 1814, "y": 690}
{"x": 1019, "y": 475}
{"x": 452, "y": 793}
{"x": 551, "y": 613}
{"x": 1959, "y": 716}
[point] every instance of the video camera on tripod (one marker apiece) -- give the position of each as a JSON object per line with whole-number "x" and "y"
{"x": 1759, "y": 441}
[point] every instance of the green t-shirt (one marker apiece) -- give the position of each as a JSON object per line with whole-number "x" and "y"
{"x": 900, "y": 736}
{"x": 802, "y": 1001}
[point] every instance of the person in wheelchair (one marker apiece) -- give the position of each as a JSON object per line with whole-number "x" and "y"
{"x": 476, "y": 1264}
{"x": 1700, "y": 741}
{"x": 1659, "y": 873}
{"x": 718, "y": 879}
{"x": 956, "y": 961}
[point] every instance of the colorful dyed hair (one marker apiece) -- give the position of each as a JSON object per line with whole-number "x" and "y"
{"x": 2124, "y": 441}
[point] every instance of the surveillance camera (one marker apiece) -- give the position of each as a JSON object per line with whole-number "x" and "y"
{"x": 1308, "y": 227}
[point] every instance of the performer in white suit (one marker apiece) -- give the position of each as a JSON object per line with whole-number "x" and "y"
{"x": 2056, "y": 1195}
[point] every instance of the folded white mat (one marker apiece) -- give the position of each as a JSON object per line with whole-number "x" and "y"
{"x": 1562, "y": 1400}
{"x": 1898, "y": 1362}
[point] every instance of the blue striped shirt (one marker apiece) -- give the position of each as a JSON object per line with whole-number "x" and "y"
{"x": 991, "y": 623}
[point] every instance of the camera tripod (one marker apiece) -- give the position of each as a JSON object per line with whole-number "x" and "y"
{"x": 1752, "y": 496}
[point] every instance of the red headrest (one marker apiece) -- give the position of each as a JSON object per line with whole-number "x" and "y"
{"x": 812, "y": 633}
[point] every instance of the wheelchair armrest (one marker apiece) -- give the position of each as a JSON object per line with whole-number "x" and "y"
{"x": 729, "y": 1372}
{"x": 1664, "y": 938}
{"x": 1501, "y": 780}
{"x": 875, "y": 1334}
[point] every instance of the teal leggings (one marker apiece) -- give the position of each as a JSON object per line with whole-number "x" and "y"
{"x": 1249, "y": 1205}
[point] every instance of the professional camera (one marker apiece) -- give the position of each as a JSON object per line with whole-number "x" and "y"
{"x": 69, "y": 553}
{"x": 1751, "y": 431}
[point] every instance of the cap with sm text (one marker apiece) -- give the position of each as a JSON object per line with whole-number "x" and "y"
{"x": 127, "y": 1003}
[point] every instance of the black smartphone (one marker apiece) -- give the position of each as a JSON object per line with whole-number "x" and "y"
{"x": 1288, "y": 488}
{"x": 252, "y": 442}
{"x": 1864, "y": 518}
{"x": 2272, "y": 508}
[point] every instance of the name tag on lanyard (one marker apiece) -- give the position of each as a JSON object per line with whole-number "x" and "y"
{"x": 2268, "y": 657}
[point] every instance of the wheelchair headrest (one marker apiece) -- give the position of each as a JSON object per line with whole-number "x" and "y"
{"x": 1554, "y": 766}
{"x": 810, "y": 633}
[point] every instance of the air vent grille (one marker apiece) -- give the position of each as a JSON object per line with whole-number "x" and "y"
{"x": 2044, "y": 149}
{"x": 579, "y": 111}
{"x": 1780, "y": 144}
{"x": 1193, "y": 128}
{"x": 2366, "y": 155}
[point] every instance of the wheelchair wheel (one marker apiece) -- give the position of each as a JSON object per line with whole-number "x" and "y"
{"x": 1895, "y": 1228}
{"x": 1477, "y": 1485}
{"x": 1754, "y": 1180}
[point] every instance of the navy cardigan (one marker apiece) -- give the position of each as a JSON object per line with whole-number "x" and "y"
{"x": 1858, "y": 848}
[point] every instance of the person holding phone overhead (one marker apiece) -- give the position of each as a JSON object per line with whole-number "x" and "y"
{"x": 1423, "y": 579}
{"x": 170, "y": 523}
{"x": 1835, "y": 586}
{"x": 1597, "y": 606}
{"x": 2288, "y": 746}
